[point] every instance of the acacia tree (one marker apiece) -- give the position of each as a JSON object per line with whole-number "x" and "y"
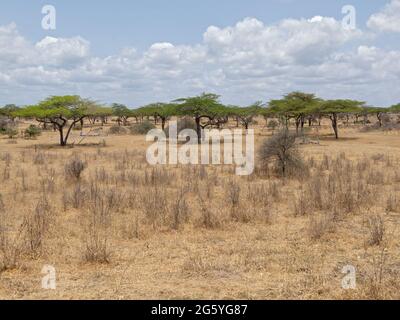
{"x": 378, "y": 112}
{"x": 9, "y": 111}
{"x": 63, "y": 112}
{"x": 98, "y": 112}
{"x": 246, "y": 115}
{"x": 333, "y": 108}
{"x": 203, "y": 107}
{"x": 296, "y": 105}
{"x": 165, "y": 111}
{"x": 122, "y": 113}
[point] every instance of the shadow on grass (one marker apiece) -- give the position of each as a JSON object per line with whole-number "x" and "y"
{"x": 68, "y": 147}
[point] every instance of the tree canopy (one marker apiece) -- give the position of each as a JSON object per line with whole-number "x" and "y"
{"x": 58, "y": 110}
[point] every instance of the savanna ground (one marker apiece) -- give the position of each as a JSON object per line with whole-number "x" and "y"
{"x": 127, "y": 230}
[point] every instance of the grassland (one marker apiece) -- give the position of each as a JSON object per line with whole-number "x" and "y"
{"x": 127, "y": 230}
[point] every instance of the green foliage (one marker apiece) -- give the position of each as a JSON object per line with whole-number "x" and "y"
{"x": 293, "y": 105}
{"x": 32, "y": 131}
{"x": 58, "y": 110}
{"x": 205, "y": 105}
{"x": 9, "y": 110}
{"x": 11, "y": 132}
{"x": 117, "y": 130}
{"x": 340, "y": 106}
{"x": 374, "y": 110}
{"x": 395, "y": 108}
{"x": 120, "y": 110}
{"x": 142, "y": 128}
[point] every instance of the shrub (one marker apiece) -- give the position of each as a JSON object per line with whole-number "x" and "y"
{"x": 11, "y": 132}
{"x": 74, "y": 168}
{"x": 3, "y": 126}
{"x": 282, "y": 149}
{"x": 97, "y": 248}
{"x": 117, "y": 130}
{"x": 36, "y": 225}
{"x": 33, "y": 131}
{"x": 142, "y": 128}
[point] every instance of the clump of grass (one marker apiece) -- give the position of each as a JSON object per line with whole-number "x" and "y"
{"x": 74, "y": 168}
{"x": 376, "y": 228}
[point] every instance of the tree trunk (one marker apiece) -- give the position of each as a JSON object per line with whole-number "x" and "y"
{"x": 198, "y": 129}
{"x": 61, "y": 131}
{"x": 335, "y": 125}
{"x": 297, "y": 126}
{"x": 379, "y": 116}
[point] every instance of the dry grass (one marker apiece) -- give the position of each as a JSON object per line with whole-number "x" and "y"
{"x": 115, "y": 227}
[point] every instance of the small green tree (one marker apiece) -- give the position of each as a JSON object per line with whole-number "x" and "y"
{"x": 295, "y": 105}
{"x": 246, "y": 115}
{"x": 122, "y": 112}
{"x": 332, "y": 109}
{"x": 162, "y": 111}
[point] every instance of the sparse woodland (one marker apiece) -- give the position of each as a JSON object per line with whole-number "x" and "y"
{"x": 78, "y": 194}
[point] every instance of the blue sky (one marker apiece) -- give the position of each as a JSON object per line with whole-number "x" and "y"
{"x": 113, "y": 25}
{"x": 136, "y": 52}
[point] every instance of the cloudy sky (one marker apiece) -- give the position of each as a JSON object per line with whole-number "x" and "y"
{"x": 137, "y": 52}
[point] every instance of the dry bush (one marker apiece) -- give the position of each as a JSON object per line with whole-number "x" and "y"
{"x": 258, "y": 194}
{"x": 77, "y": 197}
{"x": 74, "y": 168}
{"x": 233, "y": 193}
{"x": 39, "y": 158}
{"x": 376, "y": 228}
{"x": 301, "y": 205}
{"x": 36, "y": 225}
{"x": 98, "y": 225}
{"x": 274, "y": 190}
{"x": 210, "y": 216}
{"x": 179, "y": 211}
{"x": 376, "y": 275}
{"x": 154, "y": 205}
{"x": 283, "y": 150}
{"x": 10, "y": 246}
{"x": 10, "y": 251}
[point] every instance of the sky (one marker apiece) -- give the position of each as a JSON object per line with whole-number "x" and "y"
{"x": 138, "y": 52}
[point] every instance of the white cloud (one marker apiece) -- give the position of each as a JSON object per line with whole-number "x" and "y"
{"x": 388, "y": 20}
{"x": 62, "y": 52}
{"x": 245, "y": 62}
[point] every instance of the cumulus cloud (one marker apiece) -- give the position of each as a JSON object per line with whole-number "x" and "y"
{"x": 245, "y": 62}
{"x": 388, "y": 20}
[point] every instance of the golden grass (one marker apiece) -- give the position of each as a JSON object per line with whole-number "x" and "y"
{"x": 126, "y": 230}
